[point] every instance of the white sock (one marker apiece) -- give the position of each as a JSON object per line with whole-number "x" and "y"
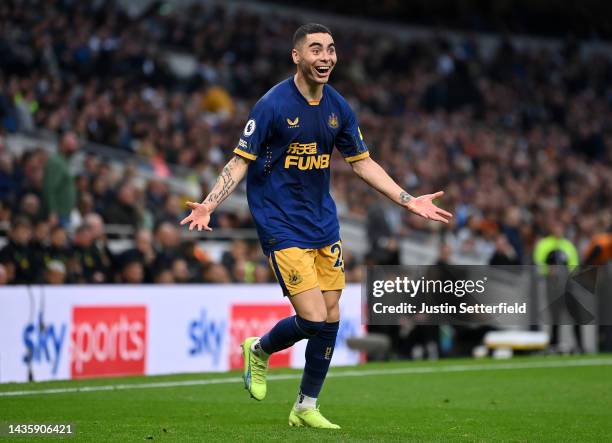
{"x": 305, "y": 402}
{"x": 256, "y": 348}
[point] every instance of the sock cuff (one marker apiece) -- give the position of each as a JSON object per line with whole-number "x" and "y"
{"x": 309, "y": 328}
{"x": 332, "y": 326}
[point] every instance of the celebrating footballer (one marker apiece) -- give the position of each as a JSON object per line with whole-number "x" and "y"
{"x": 285, "y": 152}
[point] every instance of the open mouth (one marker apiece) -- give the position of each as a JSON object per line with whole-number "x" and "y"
{"x": 323, "y": 69}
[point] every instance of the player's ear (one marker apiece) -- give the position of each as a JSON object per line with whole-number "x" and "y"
{"x": 295, "y": 55}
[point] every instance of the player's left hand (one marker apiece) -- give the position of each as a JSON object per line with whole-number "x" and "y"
{"x": 424, "y": 207}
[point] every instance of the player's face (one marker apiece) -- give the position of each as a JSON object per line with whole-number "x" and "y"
{"x": 316, "y": 57}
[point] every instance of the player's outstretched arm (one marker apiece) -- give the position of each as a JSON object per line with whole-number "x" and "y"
{"x": 374, "y": 175}
{"x": 232, "y": 173}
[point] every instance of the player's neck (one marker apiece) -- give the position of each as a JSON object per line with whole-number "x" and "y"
{"x": 310, "y": 91}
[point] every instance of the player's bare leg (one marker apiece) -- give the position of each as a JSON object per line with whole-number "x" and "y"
{"x": 310, "y": 305}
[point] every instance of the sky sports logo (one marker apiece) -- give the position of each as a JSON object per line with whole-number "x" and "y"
{"x": 104, "y": 341}
{"x": 108, "y": 341}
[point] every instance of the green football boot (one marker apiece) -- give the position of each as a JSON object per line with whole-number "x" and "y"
{"x": 310, "y": 418}
{"x": 255, "y": 370}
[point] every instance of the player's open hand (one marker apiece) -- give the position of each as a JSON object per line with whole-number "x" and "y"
{"x": 199, "y": 216}
{"x": 424, "y": 207}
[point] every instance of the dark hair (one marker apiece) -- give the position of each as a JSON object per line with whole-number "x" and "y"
{"x": 309, "y": 28}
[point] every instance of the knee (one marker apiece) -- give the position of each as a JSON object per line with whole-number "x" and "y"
{"x": 333, "y": 313}
{"x": 314, "y": 313}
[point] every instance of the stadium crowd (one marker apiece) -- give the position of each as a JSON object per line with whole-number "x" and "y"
{"x": 518, "y": 140}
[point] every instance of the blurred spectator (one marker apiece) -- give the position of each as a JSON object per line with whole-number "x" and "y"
{"x": 30, "y": 207}
{"x": 59, "y": 189}
{"x": 143, "y": 251}
{"x": 156, "y": 194}
{"x": 236, "y": 261}
{"x": 164, "y": 276}
{"x": 85, "y": 205}
{"x": 556, "y": 256}
{"x": 89, "y": 264}
{"x": 196, "y": 259}
{"x": 123, "y": 210}
{"x": 599, "y": 250}
{"x": 102, "y": 192}
{"x": 263, "y": 274}
{"x": 59, "y": 247}
{"x": 382, "y": 226}
{"x": 31, "y": 172}
{"x": 555, "y": 250}
{"x": 55, "y": 273}
{"x": 180, "y": 271}
{"x": 19, "y": 252}
{"x": 172, "y": 210}
{"x": 9, "y": 179}
{"x": 378, "y": 226}
{"x": 504, "y": 252}
{"x": 215, "y": 273}
{"x": 100, "y": 245}
{"x": 132, "y": 272}
{"x": 217, "y": 100}
{"x": 40, "y": 243}
{"x": 444, "y": 256}
{"x": 511, "y": 228}
{"x": 353, "y": 268}
{"x": 167, "y": 245}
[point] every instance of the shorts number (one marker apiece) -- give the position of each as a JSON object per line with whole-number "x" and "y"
{"x": 336, "y": 248}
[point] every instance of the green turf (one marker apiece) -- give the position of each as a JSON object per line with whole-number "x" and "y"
{"x": 537, "y": 404}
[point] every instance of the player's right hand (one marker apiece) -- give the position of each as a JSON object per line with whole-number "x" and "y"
{"x": 199, "y": 216}
{"x": 425, "y": 207}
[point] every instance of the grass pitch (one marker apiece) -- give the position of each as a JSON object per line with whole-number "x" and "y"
{"x": 526, "y": 399}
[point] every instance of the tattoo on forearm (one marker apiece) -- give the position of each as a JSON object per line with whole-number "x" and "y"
{"x": 405, "y": 197}
{"x": 224, "y": 186}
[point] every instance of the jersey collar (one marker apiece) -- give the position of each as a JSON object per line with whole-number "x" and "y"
{"x": 297, "y": 91}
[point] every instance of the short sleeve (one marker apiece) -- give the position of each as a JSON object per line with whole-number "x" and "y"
{"x": 256, "y": 130}
{"x": 349, "y": 140}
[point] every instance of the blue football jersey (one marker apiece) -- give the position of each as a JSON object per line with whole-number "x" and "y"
{"x": 290, "y": 142}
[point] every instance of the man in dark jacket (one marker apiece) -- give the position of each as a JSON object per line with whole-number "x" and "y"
{"x": 123, "y": 210}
